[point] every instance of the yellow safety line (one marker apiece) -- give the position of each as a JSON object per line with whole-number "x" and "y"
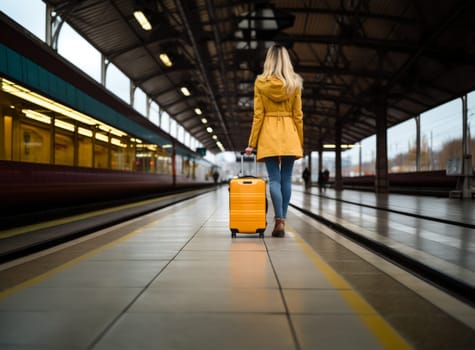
{"x": 386, "y": 335}
{"x": 62, "y": 267}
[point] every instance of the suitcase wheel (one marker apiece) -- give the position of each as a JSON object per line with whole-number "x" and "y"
{"x": 233, "y": 233}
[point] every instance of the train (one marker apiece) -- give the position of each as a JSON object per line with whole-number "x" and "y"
{"x": 66, "y": 140}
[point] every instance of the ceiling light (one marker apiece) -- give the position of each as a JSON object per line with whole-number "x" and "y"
{"x": 209, "y": 129}
{"x": 204, "y": 120}
{"x": 166, "y": 60}
{"x": 142, "y": 19}
{"x": 215, "y": 137}
{"x": 184, "y": 90}
{"x": 198, "y": 111}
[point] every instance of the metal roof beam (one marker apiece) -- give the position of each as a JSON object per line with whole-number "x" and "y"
{"x": 197, "y": 51}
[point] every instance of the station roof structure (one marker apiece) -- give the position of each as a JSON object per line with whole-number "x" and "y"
{"x": 352, "y": 54}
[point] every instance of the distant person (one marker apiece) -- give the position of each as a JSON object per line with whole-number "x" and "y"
{"x": 323, "y": 178}
{"x": 216, "y": 177}
{"x": 277, "y": 128}
{"x": 306, "y": 177}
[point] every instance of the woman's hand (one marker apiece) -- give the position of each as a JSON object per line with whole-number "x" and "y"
{"x": 249, "y": 150}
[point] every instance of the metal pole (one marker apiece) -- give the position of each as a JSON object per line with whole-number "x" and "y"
{"x": 467, "y": 157}
{"x": 418, "y": 143}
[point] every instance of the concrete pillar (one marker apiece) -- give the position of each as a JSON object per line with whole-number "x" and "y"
{"x": 381, "y": 181}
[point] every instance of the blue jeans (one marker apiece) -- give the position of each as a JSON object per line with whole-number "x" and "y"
{"x": 280, "y": 182}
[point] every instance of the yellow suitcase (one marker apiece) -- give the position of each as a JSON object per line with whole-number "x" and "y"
{"x": 247, "y": 204}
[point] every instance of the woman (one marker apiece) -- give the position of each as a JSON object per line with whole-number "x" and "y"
{"x": 277, "y": 128}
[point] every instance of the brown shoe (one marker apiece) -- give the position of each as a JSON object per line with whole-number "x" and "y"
{"x": 279, "y": 228}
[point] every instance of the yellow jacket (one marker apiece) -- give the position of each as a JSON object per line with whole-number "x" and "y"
{"x": 277, "y": 127}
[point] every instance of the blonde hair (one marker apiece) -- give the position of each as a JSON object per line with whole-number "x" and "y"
{"x": 278, "y": 64}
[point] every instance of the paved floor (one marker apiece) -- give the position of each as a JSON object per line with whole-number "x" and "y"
{"x": 439, "y": 232}
{"x": 175, "y": 279}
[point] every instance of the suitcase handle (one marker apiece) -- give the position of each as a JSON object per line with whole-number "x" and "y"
{"x": 255, "y": 163}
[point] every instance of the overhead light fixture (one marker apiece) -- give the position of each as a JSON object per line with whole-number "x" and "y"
{"x": 198, "y": 111}
{"x": 85, "y": 132}
{"x": 37, "y": 116}
{"x": 118, "y": 142}
{"x": 168, "y": 145}
{"x": 166, "y": 60}
{"x": 215, "y": 137}
{"x": 102, "y": 137}
{"x": 47, "y": 103}
{"x": 209, "y": 129}
{"x": 142, "y": 19}
{"x": 342, "y": 146}
{"x": 184, "y": 90}
{"x": 63, "y": 125}
{"x": 204, "y": 120}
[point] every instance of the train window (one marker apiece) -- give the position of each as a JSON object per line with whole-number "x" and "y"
{"x": 101, "y": 155}
{"x": 63, "y": 149}
{"x": 85, "y": 150}
{"x": 35, "y": 144}
{"x": 164, "y": 164}
{"x": 120, "y": 158}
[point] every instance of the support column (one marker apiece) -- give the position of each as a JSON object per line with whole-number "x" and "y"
{"x": 147, "y": 107}
{"x": 467, "y": 169}
{"x": 338, "y": 181}
{"x": 320, "y": 161}
{"x": 132, "y": 94}
{"x": 381, "y": 181}
{"x": 53, "y": 25}
{"x": 104, "y": 65}
{"x": 418, "y": 143}
{"x": 310, "y": 166}
{"x": 360, "y": 159}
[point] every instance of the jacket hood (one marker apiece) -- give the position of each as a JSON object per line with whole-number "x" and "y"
{"x": 272, "y": 88}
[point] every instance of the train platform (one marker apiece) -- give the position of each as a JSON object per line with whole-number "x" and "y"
{"x": 435, "y": 233}
{"x": 175, "y": 279}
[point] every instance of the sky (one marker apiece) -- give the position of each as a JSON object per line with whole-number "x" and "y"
{"x": 438, "y": 125}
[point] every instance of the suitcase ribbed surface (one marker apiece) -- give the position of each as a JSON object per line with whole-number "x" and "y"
{"x": 247, "y": 205}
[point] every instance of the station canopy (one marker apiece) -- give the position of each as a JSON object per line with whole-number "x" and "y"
{"x": 355, "y": 56}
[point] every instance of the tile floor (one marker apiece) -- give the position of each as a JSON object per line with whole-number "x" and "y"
{"x": 181, "y": 282}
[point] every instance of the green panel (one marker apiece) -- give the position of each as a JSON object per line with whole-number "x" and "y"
{"x": 43, "y": 79}
{"x": 3, "y": 59}
{"x": 14, "y": 67}
{"x": 31, "y": 74}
